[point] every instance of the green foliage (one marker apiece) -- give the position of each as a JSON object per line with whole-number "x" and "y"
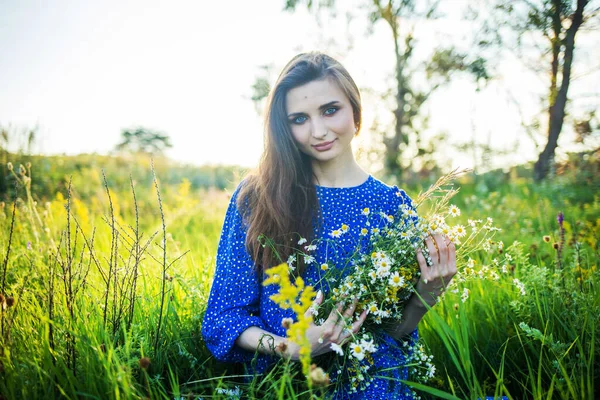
{"x": 55, "y": 342}
{"x": 142, "y": 140}
{"x": 52, "y": 174}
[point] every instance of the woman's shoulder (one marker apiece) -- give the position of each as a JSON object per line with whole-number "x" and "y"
{"x": 243, "y": 189}
{"x": 391, "y": 193}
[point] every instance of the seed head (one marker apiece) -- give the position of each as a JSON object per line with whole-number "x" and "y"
{"x": 10, "y": 301}
{"x": 318, "y": 377}
{"x": 281, "y": 347}
{"x": 287, "y": 322}
{"x": 144, "y": 362}
{"x": 555, "y": 246}
{"x": 22, "y": 169}
{"x": 547, "y": 239}
{"x": 9, "y": 166}
{"x": 28, "y": 165}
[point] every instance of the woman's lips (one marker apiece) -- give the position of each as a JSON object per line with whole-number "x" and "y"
{"x": 324, "y": 146}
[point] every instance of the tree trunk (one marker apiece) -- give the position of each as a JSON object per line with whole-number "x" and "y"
{"x": 392, "y": 156}
{"x": 557, "y": 108}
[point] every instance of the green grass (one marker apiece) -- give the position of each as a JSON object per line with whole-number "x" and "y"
{"x": 543, "y": 345}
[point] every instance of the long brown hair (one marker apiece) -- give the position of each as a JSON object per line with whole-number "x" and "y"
{"x": 278, "y": 199}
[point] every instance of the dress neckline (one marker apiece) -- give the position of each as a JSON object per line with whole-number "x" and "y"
{"x": 329, "y": 188}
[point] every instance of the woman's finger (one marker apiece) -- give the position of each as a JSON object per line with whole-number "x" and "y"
{"x": 433, "y": 252}
{"x": 334, "y": 315}
{"x": 330, "y": 330}
{"x": 316, "y": 303}
{"x": 422, "y": 264}
{"x": 350, "y": 310}
{"x": 440, "y": 243}
{"x": 358, "y": 323}
{"x": 347, "y": 333}
{"x": 340, "y": 329}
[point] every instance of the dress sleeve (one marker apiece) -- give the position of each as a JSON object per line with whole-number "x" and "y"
{"x": 233, "y": 305}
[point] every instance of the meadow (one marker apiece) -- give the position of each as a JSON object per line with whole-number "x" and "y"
{"x": 104, "y": 283}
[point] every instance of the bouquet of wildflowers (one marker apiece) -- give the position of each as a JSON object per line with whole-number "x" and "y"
{"x": 382, "y": 281}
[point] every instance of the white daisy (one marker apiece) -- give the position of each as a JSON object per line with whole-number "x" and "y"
{"x": 357, "y": 351}
{"x": 337, "y": 348}
{"x": 396, "y": 280}
{"x": 454, "y": 211}
{"x": 336, "y": 233}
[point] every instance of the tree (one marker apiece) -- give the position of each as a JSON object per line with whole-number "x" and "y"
{"x": 557, "y": 22}
{"x": 142, "y": 140}
{"x": 407, "y": 98}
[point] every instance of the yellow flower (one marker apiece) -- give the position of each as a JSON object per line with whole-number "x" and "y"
{"x": 336, "y": 233}
{"x": 344, "y": 228}
{"x": 287, "y": 298}
{"x": 324, "y": 267}
{"x": 366, "y": 211}
{"x": 364, "y": 231}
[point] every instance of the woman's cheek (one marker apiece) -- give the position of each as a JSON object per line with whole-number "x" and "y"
{"x": 343, "y": 123}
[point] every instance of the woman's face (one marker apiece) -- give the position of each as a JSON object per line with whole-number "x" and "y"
{"x": 321, "y": 119}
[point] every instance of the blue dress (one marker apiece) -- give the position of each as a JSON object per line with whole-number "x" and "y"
{"x": 238, "y": 300}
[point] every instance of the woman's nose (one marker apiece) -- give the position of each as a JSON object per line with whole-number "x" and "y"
{"x": 319, "y": 129}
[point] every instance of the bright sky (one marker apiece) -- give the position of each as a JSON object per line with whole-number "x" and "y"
{"x": 83, "y": 71}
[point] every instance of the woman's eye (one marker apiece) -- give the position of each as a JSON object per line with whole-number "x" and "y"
{"x": 299, "y": 120}
{"x": 330, "y": 111}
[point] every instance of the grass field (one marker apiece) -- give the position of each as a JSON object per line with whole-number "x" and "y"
{"x": 103, "y": 294}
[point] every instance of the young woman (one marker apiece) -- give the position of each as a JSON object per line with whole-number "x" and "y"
{"x": 307, "y": 185}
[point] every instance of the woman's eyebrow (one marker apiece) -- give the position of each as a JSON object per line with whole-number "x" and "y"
{"x": 327, "y": 105}
{"x": 321, "y": 107}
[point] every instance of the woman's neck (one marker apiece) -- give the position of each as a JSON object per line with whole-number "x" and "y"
{"x": 339, "y": 173}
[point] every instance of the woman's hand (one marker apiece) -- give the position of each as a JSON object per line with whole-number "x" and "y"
{"x": 436, "y": 276}
{"x": 333, "y": 330}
